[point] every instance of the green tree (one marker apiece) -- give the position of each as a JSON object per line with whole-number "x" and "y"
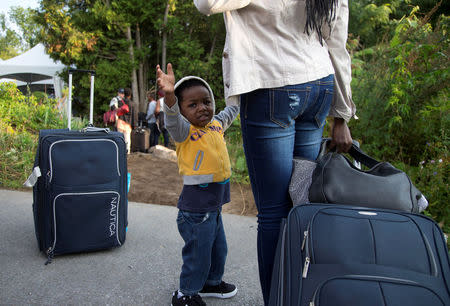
{"x": 25, "y": 19}
{"x": 13, "y": 42}
{"x": 370, "y": 20}
{"x": 195, "y": 45}
{"x": 122, "y": 41}
{"x": 401, "y": 88}
{"x": 9, "y": 40}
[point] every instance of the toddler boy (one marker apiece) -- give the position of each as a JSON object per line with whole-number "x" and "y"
{"x": 205, "y": 166}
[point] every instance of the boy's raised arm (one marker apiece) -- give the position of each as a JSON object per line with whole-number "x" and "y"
{"x": 177, "y": 126}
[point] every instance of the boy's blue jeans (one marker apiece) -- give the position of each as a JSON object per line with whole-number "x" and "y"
{"x": 278, "y": 124}
{"x": 204, "y": 252}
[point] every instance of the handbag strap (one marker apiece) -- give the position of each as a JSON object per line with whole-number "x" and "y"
{"x": 355, "y": 152}
{"x": 362, "y": 157}
{"x": 324, "y": 146}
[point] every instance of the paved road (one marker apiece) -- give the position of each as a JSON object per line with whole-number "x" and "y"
{"x": 144, "y": 271}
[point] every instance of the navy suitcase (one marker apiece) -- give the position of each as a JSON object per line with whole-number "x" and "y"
{"x": 344, "y": 255}
{"x": 80, "y": 194}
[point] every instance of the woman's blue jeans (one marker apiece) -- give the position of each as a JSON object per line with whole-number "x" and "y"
{"x": 278, "y": 124}
{"x": 204, "y": 252}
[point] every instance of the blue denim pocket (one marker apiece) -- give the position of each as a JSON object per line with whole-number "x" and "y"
{"x": 192, "y": 218}
{"x": 287, "y": 103}
{"x": 324, "y": 108}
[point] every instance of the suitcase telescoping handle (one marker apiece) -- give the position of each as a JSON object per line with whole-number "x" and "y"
{"x": 91, "y": 97}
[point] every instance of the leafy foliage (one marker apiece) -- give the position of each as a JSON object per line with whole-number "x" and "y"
{"x": 9, "y": 40}
{"x": 402, "y": 93}
{"x": 93, "y": 35}
{"x": 21, "y": 118}
{"x": 236, "y": 151}
{"x": 369, "y": 18}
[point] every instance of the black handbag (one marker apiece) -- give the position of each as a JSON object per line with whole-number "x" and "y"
{"x": 336, "y": 179}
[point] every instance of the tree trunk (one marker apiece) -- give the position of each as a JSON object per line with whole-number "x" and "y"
{"x": 134, "y": 81}
{"x": 213, "y": 45}
{"x": 142, "y": 88}
{"x": 164, "y": 38}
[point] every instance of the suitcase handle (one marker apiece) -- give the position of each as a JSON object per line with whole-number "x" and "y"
{"x": 95, "y": 129}
{"x": 91, "y": 97}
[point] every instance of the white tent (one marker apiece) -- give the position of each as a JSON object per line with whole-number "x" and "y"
{"x": 33, "y": 66}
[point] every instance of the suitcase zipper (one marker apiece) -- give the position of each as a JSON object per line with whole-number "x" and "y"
{"x": 47, "y": 179}
{"x": 305, "y": 235}
{"x": 50, "y": 255}
{"x": 305, "y": 245}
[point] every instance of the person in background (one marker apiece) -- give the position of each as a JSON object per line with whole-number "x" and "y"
{"x": 204, "y": 163}
{"x": 125, "y": 120}
{"x": 160, "y": 120}
{"x": 114, "y": 103}
{"x": 286, "y": 64}
{"x": 151, "y": 118}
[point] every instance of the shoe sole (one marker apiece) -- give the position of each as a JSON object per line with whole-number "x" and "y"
{"x": 219, "y": 295}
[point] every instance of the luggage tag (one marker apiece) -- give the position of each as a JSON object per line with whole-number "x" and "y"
{"x": 32, "y": 179}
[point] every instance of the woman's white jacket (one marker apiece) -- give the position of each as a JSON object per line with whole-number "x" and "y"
{"x": 267, "y": 47}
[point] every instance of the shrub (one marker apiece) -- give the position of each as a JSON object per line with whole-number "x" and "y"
{"x": 21, "y": 118}
{"x": 401, "y": 89}
{"x": 235, "y": 148}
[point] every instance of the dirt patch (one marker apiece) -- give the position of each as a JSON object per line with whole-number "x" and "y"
{"x": 155, "y": 180}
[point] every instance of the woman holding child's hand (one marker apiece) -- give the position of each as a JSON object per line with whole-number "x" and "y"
{"x": 285, "y": 64}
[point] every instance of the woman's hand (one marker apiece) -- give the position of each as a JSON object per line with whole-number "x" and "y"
{"x": 341, "y": 138}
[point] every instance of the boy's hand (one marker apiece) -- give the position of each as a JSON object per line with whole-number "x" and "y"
{"x": 166, "y": 82}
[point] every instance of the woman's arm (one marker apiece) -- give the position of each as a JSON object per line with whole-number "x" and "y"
{"x": 342, "y": 106}
{"x": 209, "y": 7}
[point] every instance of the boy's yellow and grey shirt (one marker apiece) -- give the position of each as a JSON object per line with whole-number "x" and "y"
{"x": 201, "y": 151}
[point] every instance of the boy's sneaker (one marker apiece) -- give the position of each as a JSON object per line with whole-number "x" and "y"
{"x": 187, "y": 300}
{"x": 221, "y": 291}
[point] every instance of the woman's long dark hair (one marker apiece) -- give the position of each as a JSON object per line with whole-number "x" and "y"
{"x": 318, "y": 12}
